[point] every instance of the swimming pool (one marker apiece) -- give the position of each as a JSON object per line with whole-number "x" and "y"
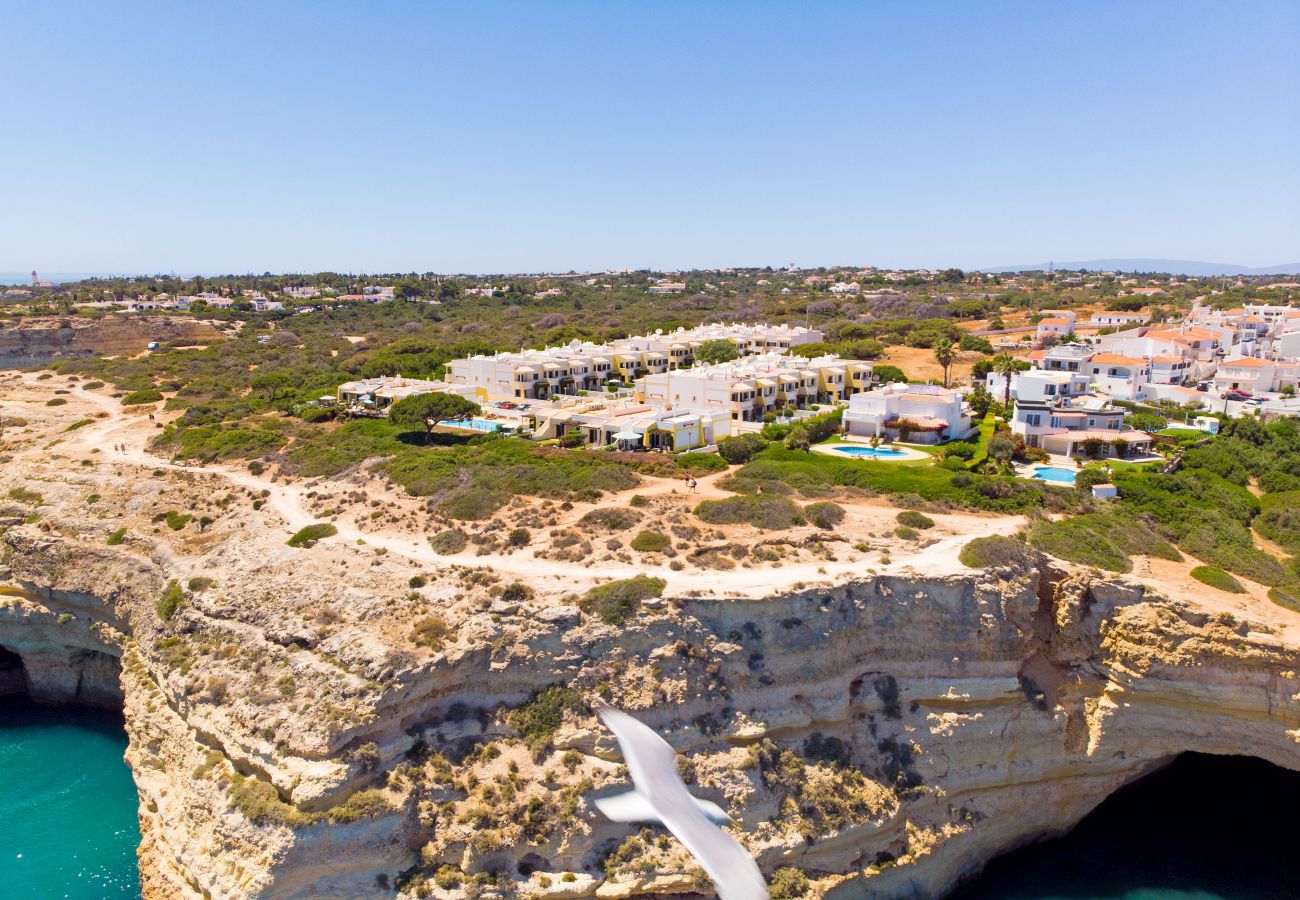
{"x": 472, "y": 424}
{"x": 872, "y": 452}
{"x": 1054, "y": 473}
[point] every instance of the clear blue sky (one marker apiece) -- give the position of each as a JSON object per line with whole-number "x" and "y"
{"x": 527, "y": 136}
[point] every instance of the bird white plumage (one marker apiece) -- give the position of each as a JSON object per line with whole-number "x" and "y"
{"x": 653, "y": 766}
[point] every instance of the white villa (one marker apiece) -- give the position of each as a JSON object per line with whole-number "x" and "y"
{"x": 1057, "y": 324}
{"x": 923, "y": 413}
{"x": 1065, "y": 427}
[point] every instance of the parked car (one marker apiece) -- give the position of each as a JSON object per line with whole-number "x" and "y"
{"x": 1254, "y": 402}
{"x": 1236, "y": 395}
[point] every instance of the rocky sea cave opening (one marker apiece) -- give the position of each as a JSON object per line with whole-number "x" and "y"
{"x": 1203, "y": 827}
{"x": 68, "y": 803}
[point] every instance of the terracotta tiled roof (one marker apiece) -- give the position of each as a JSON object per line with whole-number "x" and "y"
{"x": 1115, "y": 359}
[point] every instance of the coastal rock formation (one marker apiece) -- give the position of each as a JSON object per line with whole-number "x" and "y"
{"x": 38, "y": 340}
{"x": 885, "y": 736}
{"x": 370, "y": 717}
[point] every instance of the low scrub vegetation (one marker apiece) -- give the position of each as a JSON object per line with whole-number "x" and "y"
{"x": 449, "y": 542}
{"x": 609, "y": 518}
{"x": 614, "y": 603}
{"x": 910, "y": 518}
{"x": 769, "y": 512}
{"x": 542, "y": 716}
{"x": 138, "y": 398}
{"x": 170, "y": 601}
{"x": 24, "y": 495}
{"x": 1217, "y": 578}
{"x": 431, "y": 632}
{"x": 1104, "y": 540}
{"x": 307, "y": 537}
{"x": 824, "y": 514}
{"x": 651, "y": 542}
{"x": 996, "y": 552}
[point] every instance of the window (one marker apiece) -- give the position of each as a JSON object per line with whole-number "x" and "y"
{"x": 1033, "y": 419}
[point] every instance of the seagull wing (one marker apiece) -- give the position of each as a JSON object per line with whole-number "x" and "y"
{"x": 653, "y": 766}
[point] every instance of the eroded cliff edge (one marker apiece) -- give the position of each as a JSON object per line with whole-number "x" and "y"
{"x": 885, "y": 736}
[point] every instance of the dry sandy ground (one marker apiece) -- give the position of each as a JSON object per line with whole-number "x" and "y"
{"x": 869, "y": 520}
{"x": 123, "y": 436}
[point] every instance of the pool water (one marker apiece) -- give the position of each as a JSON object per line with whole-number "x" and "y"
{"x": 1054, "y": 473}
{"x": 472, "y": 424}
{"x": 871, "y": 452}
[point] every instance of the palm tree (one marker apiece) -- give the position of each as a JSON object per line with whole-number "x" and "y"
{"x": 943, "y": 355}
{"x": 1005, "y": 365}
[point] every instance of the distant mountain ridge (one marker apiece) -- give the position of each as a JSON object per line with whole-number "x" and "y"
{"x": 1166, "y": 266}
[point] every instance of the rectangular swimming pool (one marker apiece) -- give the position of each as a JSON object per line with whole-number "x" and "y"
{"x": 1054, "y": 473}
{"x": 472, "y": 424}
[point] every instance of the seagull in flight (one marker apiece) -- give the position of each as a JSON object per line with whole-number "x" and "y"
{"x": 659, "y": 795}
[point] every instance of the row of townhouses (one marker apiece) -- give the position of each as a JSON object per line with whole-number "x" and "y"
{"x": 585, "y": 366}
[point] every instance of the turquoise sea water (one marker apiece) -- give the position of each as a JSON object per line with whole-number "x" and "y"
{"x": 68, "y": 826}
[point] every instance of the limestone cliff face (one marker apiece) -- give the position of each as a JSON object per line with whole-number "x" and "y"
{"x": 40, "y": 340}
{"x": 885, "y": 736}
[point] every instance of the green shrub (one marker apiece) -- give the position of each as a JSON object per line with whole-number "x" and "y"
{"x": 138, "y": 398}
{"x": 431, "y": 632}
{"x": 307, "y": 537}
{"x": 56, "y": 401}
{"x": 472, "y": 504}
{"x": 637, "y": 501}
{"x": 907, "y": 534}
{"x": 543, "y": 715}
{"x": 740, "y": 449}
{"x": 1217, "y": 578}
{"x": 170, "y": 601}
{"x": 910, "y": 518}
{"x": 199, "y": 583}
{"x": 764, "y": 511}
{"x": 448, "y": 542}
{"x": 361, "y": 805}
{"x": 80, "y": 423}
{"x": 117, "y": 537}
{"x": 788, "y": 884}
{"x": 650, "y": 542}
{"x": 614, "y": 602}
{"x": 1103, "y": 540}
{"x": 702, "y": 462}
{"x": 996, "y": 552}
{"x": 1279, "y": 522}
{"x": 176, "y": 521}
{"x": 314, "y": 414}
{"x": 610, "y": 518}
{"x": 1086, "y": 478}
{"x": 518, "y": 537}
{"x": 825, "y": 514}
{"x": 23, "y": 495}
{"x": 1288, "y": 598}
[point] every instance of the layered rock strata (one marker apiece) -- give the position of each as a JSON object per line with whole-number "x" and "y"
{"x": 885, "y": 736}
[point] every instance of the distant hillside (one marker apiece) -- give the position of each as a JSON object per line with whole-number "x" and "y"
{"x": 1169, "y": 266}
